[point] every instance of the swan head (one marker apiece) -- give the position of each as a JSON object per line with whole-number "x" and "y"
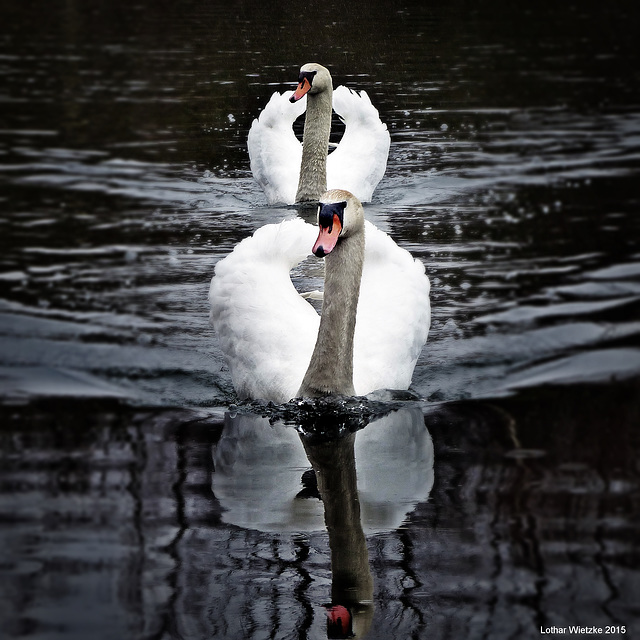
{"x": 313, "y": 78}
{"x": 340, "y": 215}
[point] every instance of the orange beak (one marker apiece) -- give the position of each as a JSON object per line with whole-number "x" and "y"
{"x": 302, "y": 89}
{"x": 338, "y": 621}
{"x": 327, "y": 238}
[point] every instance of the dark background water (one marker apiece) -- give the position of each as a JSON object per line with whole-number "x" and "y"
{"x": 513, "y": 175}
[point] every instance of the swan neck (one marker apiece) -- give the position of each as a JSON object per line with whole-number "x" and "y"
{"x": 315, "y": 147}
{"x": 331, "y": 368}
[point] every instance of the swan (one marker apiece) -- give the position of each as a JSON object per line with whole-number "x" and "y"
{"x": 290, "y": 172}
{"x": 375, "y": 311}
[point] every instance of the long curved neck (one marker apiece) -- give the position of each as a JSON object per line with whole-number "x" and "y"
{"x": 331, "y": 368}
{"x": 315, "y": 146}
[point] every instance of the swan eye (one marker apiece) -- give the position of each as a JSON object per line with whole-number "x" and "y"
{"x": 326, "y": 213}
{"x": 307, "y": 75}
{"x": 325, "y": 217}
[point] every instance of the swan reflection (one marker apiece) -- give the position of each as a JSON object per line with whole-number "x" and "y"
{"x": 351, "y": 609}
{"x": 259, "y": 466}
{"x": 362, "y": 482}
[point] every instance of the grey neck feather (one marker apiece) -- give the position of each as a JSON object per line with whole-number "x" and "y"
{"x": 331, "y": 368}
{"x": 315, "y": 146}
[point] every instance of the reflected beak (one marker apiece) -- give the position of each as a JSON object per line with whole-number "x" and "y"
{"x": 327, "y": 238}
{"x": 338, "y": 622}
{"x": 302, "y": 89}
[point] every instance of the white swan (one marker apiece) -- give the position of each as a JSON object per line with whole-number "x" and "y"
{"x": 291, "y": 172}
{"x": 274, "y": 342}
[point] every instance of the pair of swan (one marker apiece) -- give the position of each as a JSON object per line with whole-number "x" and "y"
{"x": 375, "y": 311}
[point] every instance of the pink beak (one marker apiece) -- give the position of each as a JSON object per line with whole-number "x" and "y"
{"x": 327, "y": 238}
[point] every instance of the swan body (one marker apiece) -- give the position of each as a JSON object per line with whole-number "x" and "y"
{"x": 269, "y": 333}
{"x": 291, "y": 172}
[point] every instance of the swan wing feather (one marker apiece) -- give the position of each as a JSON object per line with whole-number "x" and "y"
{"x": 266, "y": 330}
{"x": 393, "y": 317}
{"x": 275, "y": 153}
{"x": 360, "y": 159}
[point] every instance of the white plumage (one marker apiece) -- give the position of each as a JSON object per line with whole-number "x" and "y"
{"x": 275, "y": 153}
{"x": 357, "y": 164}
{"x": 359, "y": 161}
{"x": 267, "y": 331}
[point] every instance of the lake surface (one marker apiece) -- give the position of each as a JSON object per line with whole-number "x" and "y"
{"x": 133, "y": 504}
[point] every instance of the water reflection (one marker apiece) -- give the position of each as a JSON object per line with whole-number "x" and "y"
{"x": 351, "y": 609}
{"x": 272, "y": 478}
{"x": 260, "y": 468}
{"x": 115, "y": 522}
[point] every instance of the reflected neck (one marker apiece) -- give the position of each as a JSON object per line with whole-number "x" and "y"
{"x": 335, "y": 467}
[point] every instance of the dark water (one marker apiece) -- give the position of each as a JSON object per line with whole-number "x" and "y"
{"x": 131, "y": 507}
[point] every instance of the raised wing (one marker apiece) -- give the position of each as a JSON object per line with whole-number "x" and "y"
{"x": 360, "y": 160}
{"x": 394, "y": 315}
{"x": 275, "y": 153}
{"x": 266, "y": 330}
